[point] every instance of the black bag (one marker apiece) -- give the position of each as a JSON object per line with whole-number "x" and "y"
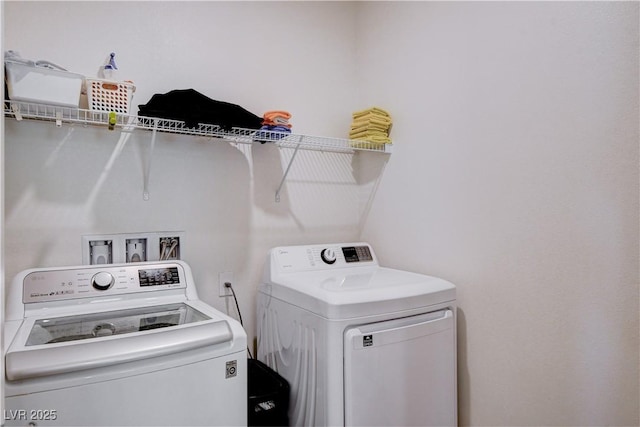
{"x": 192, "y": 107}
{"x": 268, "y": 403}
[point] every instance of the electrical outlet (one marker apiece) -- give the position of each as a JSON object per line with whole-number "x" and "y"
{"x": 226, "y": 277}
{"x": 169, "y": 248}
{"x": 136, "y": 250}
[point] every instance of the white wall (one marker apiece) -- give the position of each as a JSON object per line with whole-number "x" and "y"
{"x": 515, "y": 176}
{"x": 515, "y": 173}
{"x": 68, "y": 182}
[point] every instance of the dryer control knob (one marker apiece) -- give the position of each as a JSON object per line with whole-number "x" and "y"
{"x": 102, "y": 281}
{"x": 328, "y": 256}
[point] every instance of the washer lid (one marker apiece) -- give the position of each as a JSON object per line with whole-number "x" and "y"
{"x": 95, "y": 325}
{"x": 359, "y": 291}
{"x": 58, "y": 345}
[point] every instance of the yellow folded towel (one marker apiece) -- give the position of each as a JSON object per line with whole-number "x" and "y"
{"x": 367, "y": 133}
{"x": 374, "y": 110}
{"x": 371, "y": 120}
{"x": 358, "y": 134}
{"x": 361, "y": 114}
{"x": 372, "y": 126}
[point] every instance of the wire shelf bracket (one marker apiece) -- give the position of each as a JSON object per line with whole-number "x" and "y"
{"x": 147, "y": 171}
{"x": 286, "y": 171}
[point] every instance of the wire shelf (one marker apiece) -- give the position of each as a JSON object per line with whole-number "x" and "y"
{"x": 128, "y": 122}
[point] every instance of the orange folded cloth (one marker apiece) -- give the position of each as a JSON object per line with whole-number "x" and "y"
{"x": 276, "y": 118}
{"x": 277, "y": 113}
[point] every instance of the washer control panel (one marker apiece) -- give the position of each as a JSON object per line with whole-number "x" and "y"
{"x": 322, "y": 257}
{"x": 94, "y": 281}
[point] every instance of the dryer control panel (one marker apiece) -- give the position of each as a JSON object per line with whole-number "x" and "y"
{"x": 357, "y": 254}
{"x": 322, "y": 257}
{"x": 95, "y": 281}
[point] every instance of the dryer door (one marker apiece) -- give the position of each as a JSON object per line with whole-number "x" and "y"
{"x": 402, "y": 372}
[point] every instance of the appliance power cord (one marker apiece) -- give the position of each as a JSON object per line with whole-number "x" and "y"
{"x": 233, "y": 292}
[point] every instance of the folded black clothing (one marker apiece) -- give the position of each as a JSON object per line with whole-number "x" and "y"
{"x": 192, "y": 107}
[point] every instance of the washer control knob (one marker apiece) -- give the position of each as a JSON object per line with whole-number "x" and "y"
{"x": 328, "y": 256}
{"x": 102, "y": 281}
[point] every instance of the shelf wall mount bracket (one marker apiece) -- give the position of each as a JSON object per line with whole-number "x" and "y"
{"x": 147, "y": 170}
{"x": 286, "y": 171}
{"x": 15, "y": 108}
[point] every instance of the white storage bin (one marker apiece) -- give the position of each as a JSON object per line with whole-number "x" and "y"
{"x": 108, "y": 95}
{"x": 32, "y": 83}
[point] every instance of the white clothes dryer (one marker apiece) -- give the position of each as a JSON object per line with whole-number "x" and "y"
{"x": 360, "y": 344}
{"x": 120, "y": 345}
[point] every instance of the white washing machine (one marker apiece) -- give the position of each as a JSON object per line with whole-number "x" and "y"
{"x": 359, "y": 344}
{"x": 120, "y": 345}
